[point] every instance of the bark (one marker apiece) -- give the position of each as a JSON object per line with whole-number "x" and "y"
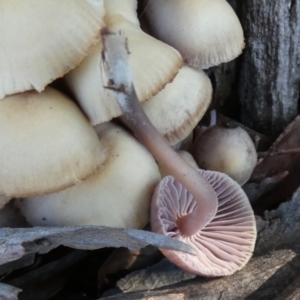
{"x": 262, "y": 86}
{"x": 262, "y": 278}
{"x": 270, "y": 71}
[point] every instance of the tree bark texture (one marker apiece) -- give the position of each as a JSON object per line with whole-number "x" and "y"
{"x": 264, "y": 82}
{"x": 263, "y": 278}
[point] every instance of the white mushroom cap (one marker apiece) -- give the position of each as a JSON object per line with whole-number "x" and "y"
{"x": 118, "y": 195}
{"x": 206, "y": 32}
{"x": 46, "y": 142}
{"x": 177, "y": 109}
{"x": 152, "y": 62}
{"x": 43, "y": 40}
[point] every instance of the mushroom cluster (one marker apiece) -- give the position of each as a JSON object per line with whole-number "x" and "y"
{"x": 69, "y": 163}
{"x": 205, "y": 209}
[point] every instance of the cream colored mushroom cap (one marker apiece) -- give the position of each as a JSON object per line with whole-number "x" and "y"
{"x": 126, "y": 8}
{"x": 153, "y": 64}
{"x": 43, "y": 40}
{"x": 178, "y": 108}
{"x": 227, "y": 150}
{"x": 118, "y": 195}
{"x": 46, "y": 142}
{"x": 206, "y": 32}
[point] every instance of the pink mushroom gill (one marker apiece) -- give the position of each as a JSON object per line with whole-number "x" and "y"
{"x": 225, "y": 244}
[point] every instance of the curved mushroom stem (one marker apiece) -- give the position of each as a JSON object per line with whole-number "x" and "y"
{"x": 115, "y": 56}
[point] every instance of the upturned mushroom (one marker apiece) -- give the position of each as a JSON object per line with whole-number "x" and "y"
{"x": 43, "y": 40}
{"x": 153, "y": 64}
{"x": 227, "y": 150}
{"x": 217, "y": 207}
{"x": 205, "y": 32}
{"x": 225, "y": 244}
{"x": 117, "y": 195}
{"x": 47, "y": 144}
{"x": 115, "y": 55}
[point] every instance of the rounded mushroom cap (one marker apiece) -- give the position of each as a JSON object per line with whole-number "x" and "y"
{"x": 46, "y": 142}
{"x": 153, "y": 64}
{"x": 205, "y": 32}
{"x": 43, "y": 40}
{"x": 227, "y": 150}
{"x": 118, "y": 195}
{"x": 180, "y": 105}
{"x": 225, "y": 245}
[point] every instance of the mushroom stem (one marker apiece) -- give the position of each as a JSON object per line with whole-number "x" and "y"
{"x": 115, "y": 57}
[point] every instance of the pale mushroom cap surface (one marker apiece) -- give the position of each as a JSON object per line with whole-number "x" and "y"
{"x": 126, "y": 8}
{"x": 153, "y": 64}
{"x": 206, "y": 32}
{"x": 43, "y": 40}
{"x": 118, "y": 195}
{"x": 223, "y": 246}
{"x": 179, "y": 107}
{"x": 227, "y": 150}
{"x": 47, "y": 144}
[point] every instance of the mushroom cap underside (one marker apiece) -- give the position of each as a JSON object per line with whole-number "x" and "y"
{"x": 226, "y": 244}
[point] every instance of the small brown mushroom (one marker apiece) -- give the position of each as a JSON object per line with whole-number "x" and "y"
{"x": 227, "y": 150}
{"x": 225, "y": 244}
